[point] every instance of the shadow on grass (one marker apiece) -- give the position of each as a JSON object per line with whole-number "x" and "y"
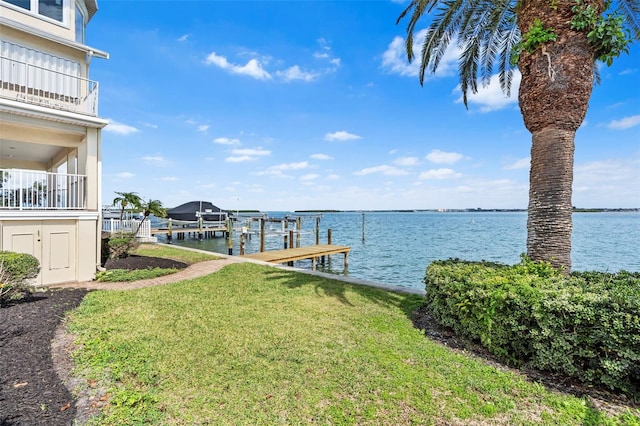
{"x": 337, "y": 289}
{"x": 598, "y": 400}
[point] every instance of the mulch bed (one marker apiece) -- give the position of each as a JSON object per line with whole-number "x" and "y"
{"x": 31, "y": 392}
{"x": 143, "y": 262}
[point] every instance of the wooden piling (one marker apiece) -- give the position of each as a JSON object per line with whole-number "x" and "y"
{"x": 230, "y": 233}
{"x": 261, "y": 235}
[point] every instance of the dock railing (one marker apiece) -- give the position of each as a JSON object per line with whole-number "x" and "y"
{"x": 113, "y": 226}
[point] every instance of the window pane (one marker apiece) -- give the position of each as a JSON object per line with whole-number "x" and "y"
{"x": 25, "y": 4}
{"x": 51, "y": 9}
{"x": 79, "y": 26}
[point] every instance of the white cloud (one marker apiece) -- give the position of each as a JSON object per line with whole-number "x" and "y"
{"x": 125, "y": 175}
{"x": 614, "y": 182}
{"x": 333, "y": 176}
{"x": 203, "y": 127}
{"x": 119, "y": 128}
{"x": 407, "y": 161}
{"x": 394, "y": 59}
{"x": 226, "y": 141}
{"x": 291, "y": 166}
{"x": 246, "y": 154}
{"x": 240, "y": 159}
{"x": 341, "y": 136}
{"x": 149, "y": 125}
{"x": 440, "y": 157}
{"x": 156, "y": 160}
{"x": 625, "y": 123}
{"x": 254, "y": 152}
{"x": 439, "y": 174}
{"x": 253, "y": 68}
{"x": 383, "y": 169}
{"x": 295, "y": 73}
{"x": 491, "y": 97}
{"x": 169, "y": 178}
{"x": 183, "y": 38}
{"x": 522, "y": 163}
{"x": 321, "y": 157}
{"x": 325, "y": 54}
{"x": 310, "y": 176}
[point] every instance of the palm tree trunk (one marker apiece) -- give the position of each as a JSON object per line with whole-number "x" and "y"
{"x": 549, "y": 222}
{"x": 557, "y": 79}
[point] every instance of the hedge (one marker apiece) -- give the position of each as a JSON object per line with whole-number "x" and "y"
{"x": 15, "y": 270}
{"x": 585, "y": 325}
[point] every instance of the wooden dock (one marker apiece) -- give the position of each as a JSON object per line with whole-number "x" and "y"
{"x": 300, "y": 253}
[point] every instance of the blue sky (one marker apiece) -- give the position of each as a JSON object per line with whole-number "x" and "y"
{"x": 289, "y": 105}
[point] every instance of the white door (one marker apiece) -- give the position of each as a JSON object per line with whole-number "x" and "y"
{"x": 53, "y": 243}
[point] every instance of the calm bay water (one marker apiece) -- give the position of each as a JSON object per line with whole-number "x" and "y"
{"x": 398, "y": 246}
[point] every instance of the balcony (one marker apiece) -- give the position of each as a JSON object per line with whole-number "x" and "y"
{"x": 36, "y": 85}
{"x": 36, "y": 190}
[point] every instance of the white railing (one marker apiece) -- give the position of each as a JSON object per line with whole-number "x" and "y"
{"x": 36, "y": 190}
{"x": 113, "y": 226}
{"x": 33, "y": 84}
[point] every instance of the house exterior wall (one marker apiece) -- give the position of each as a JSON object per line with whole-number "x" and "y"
{"x": 52, "y": 141}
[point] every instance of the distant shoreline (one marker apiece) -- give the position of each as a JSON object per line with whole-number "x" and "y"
{"x": 478, "y": 210}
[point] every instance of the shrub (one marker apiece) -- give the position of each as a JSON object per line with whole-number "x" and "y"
{"x": 586, "y": 325}
{"x": 15, "y": 271}
{"x": 121, "y": 245}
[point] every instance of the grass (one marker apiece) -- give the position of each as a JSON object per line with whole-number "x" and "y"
{"x": 124, "y": 275}
{"x": 258, "y": 345}
{"x": 187, "y": 256}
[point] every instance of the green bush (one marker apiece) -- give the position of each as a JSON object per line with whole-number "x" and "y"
{"x": 586, "y": 325}
{"x": 121, "y": 245}
{"x": 15, "y": 270}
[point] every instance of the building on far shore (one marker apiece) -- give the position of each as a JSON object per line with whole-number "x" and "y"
{"x": 50, "y": 136}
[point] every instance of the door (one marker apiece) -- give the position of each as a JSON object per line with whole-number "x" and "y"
{"x": 23, "y": 237}
{"x": 53, "y": 243}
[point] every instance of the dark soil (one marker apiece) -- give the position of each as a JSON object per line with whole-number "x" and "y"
{"x": 31, "y": 391}
{"x": 143, "y": 262}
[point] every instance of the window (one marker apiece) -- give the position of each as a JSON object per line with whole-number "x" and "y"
{"x": 53, "y": 9}
{"x": 25, "y": 4}
{"x": 79, "y": 24}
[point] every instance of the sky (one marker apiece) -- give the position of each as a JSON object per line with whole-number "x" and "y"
{"x": 303, "y": 105}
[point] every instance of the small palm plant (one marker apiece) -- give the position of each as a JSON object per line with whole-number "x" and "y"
{"x": 151, "y": 207}
{"x": 127, "y": 199}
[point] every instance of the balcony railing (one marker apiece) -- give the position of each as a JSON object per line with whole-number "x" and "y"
{"x": 36, "y": 190}
{"x": 33, "y": 84}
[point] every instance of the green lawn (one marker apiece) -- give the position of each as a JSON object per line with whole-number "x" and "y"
{"x": 179, "y": 254}
{"x": 258, "y": 345}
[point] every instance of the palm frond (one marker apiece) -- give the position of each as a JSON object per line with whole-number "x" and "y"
{"x": 631, "y": 11}
{"x": 484, "y": 30}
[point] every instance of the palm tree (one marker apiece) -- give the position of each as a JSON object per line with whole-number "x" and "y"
{"x": 151, "y": 207}
{"x": 555, "y": 45}
{"x": 126, "y": 199}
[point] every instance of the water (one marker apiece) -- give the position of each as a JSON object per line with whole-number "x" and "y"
{"x": 398, "y": 246}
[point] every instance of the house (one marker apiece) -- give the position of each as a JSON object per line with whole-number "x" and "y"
{"x": 50, "y": 136}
